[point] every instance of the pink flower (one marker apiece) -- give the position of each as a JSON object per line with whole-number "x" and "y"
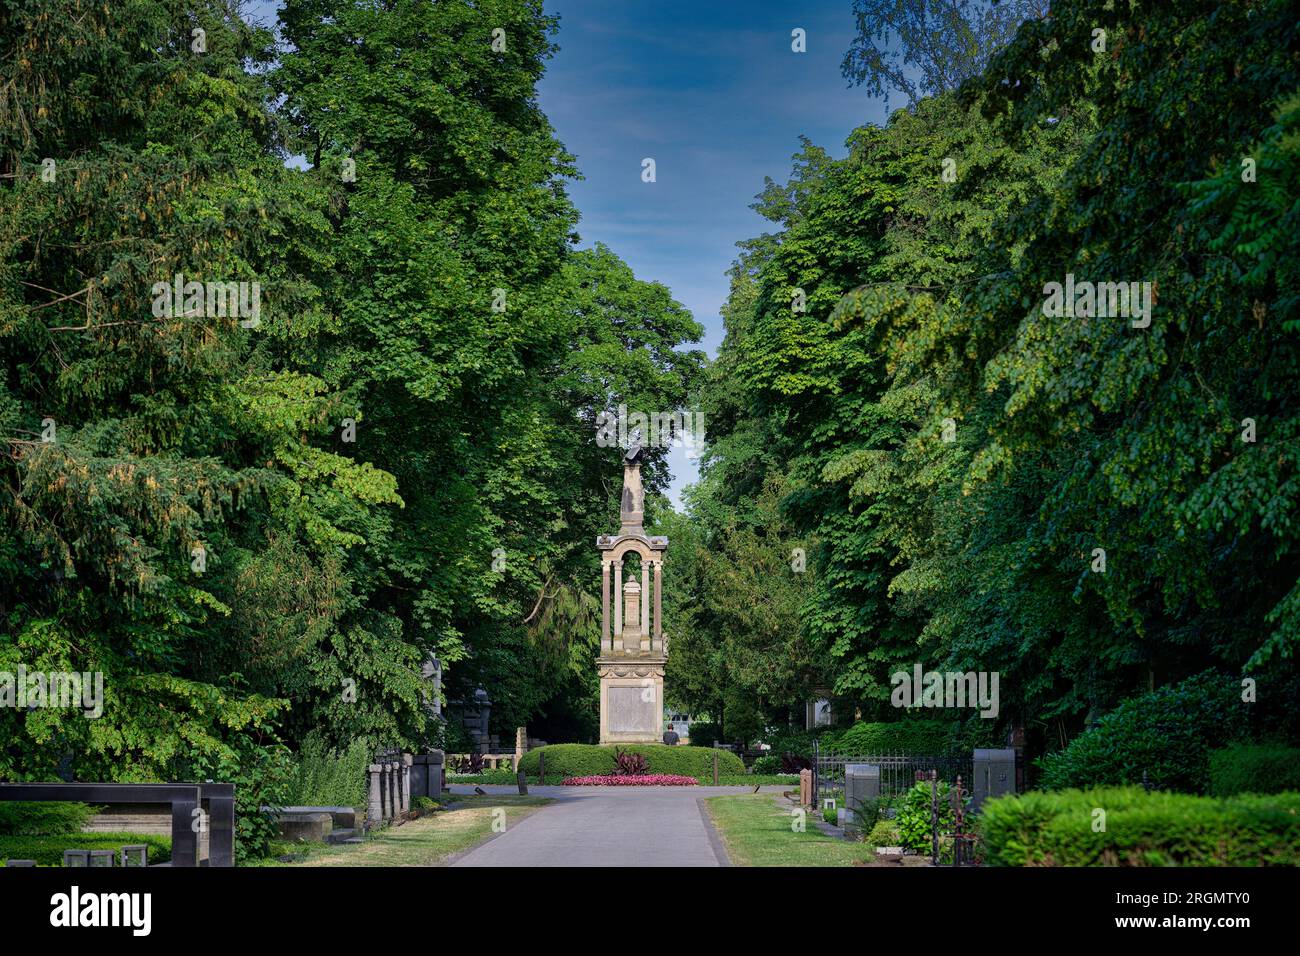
{"x": 640, "y": 780}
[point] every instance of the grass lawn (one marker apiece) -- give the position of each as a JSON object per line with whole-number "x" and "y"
{"x": 427, "y": 841}
{"x": 757, "y": 832}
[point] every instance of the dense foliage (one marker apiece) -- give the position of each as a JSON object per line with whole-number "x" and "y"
{"x": 1093, "y": 506}
{"x": 256, "y": 526}
{"x": 1162, "y": 739}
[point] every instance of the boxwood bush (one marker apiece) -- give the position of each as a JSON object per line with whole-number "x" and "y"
{"x": 1167, "y": 733}
{"x": 1254, "y": 768}
{"x": 1141, "y": 829}
{"x": 586, "y": 760}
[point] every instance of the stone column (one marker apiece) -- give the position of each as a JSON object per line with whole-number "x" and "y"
{"x": 632, "y": 629}
{"x": 390, "y": 773}
{"x": 618, "y": 599}
{"x": 659, "y": 610}
{"x": 606, "y": 638}
{"x": 645, "y": 599}
{"x": 375, "y": 796}
{"x": 407, "y": 760}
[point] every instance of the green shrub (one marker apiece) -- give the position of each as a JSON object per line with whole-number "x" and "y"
{"x": 1141, "y": 829}
{"x": 1167, "y": 733}
{"x": 884, "y": 833}
{"x": 766, "y": 764}
{"x": 913, "y": 818}
{"x": 1254, "y": 768}
{"x": 792, "y": 741}
{"x": 928, "y": 737}
{"x": 40, "y": 818}
{"x": 586, "y": 760}
{"x": 324, "y": 778}
{"x": 48, "y": 850}
{"x": 831, "y": 815}
{"x": 424, "y": 803}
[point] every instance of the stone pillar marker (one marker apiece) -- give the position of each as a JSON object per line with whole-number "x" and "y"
{"x": 375, "y": 796}
{"x": 631, "y": 666}
{"x": 407, "y": 760}
{"x": 521, "y": 744}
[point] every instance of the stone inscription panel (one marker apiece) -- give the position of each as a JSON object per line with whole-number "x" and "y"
{"x": 629, "y": 713}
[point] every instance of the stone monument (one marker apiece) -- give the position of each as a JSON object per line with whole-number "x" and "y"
{"x": 632, "y": 645}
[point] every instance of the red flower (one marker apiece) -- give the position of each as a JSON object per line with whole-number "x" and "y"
{"x": 642, "y": 780}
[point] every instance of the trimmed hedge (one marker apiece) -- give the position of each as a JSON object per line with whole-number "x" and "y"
{"x": 590, "y": 760}
{"x": 1141, "y": 829}
{"x": 42, "y": 818}
{"x": 930, "y": 737}
{"x": 1254, "y": 768}
{"x": 1167, "y": 733}
{"x": 48, "y": 850}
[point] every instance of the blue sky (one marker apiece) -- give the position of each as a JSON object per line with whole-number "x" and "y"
{"x": 714, "y": 94}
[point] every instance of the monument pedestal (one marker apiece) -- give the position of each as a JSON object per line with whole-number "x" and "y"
{"x": 631, "y": 698}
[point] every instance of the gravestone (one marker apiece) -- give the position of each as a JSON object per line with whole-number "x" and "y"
{"x": 135, "y": 854}
{"x": 994, "y": 773}
{"x": 861, "y": 783}
{"x": 426, "y": 775}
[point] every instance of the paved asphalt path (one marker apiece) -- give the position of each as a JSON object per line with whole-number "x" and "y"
{"x": 608, "y": 826}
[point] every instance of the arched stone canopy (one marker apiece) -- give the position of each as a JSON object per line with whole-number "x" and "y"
{"x": 647, "y": 633}
{"x": 614, "y": 548}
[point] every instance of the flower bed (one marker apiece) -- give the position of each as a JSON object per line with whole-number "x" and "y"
{"x": 639, "y": 780}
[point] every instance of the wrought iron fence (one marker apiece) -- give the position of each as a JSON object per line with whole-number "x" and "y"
{"x": 898, "y": 770}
